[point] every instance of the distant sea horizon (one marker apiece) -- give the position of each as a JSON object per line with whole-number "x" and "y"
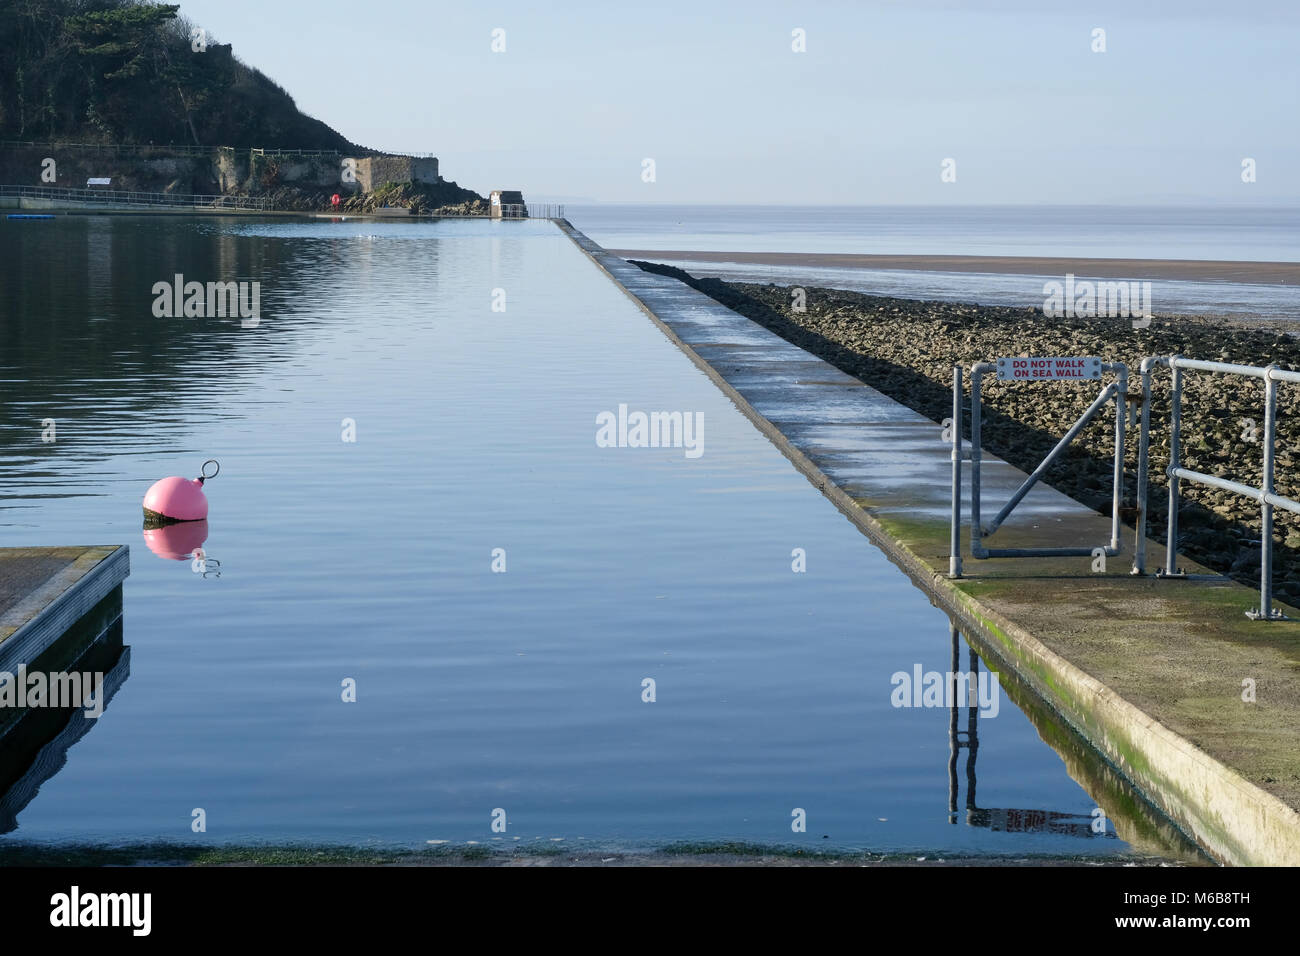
{"x": 1239, "y": 233}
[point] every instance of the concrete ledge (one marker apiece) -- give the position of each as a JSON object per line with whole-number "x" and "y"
{"x": 45, "y": 591}
{"x": 883, "y": 466}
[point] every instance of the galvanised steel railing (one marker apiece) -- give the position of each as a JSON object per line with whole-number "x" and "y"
{"x": 262, "y": 151}
{"x": 114, "y": 148}
{"x": 529, "y": 211}
{"x": 980, "y": 529}
{"x": 123, "y": 197}
{"x": 189, "y": 149}
{"x": 402, "y": 153}
{"x": 138, "y": 149}
{"x": 1264, "y": 494}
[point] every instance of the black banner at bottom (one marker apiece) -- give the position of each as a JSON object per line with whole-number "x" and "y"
{"x": 330, "y": 904}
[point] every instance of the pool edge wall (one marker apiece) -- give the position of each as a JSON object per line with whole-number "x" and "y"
{"x": 1236, "y": 821}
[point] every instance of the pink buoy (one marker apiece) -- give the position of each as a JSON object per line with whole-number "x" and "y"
{"x": 179, "y": 499}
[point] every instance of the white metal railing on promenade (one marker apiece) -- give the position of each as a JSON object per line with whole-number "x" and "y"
{"x": 1042, "y": 370}
{"x": 1266, "y": 496}
{"x": 125, "y": 197}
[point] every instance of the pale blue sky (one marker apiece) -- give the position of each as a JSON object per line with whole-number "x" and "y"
{"x": 885, "y": 92}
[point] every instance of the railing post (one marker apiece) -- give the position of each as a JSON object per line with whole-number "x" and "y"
{"x": 1121, "y": 416}
{"x": 954, "y": 550}
{"x": 1144, "y": 440}
{"x": 1175, "y": 436}
{"x": 976, "y": 545}
{"x": 1266, "y": 508}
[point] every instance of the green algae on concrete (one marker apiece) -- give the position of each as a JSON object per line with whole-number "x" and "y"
{"x": 1124, "y": 806}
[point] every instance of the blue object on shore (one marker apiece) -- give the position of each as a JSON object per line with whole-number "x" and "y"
{"x": 22, "y": 216}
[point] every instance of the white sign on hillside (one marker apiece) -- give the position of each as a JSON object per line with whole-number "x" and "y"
{"x": 1049, "y": 369}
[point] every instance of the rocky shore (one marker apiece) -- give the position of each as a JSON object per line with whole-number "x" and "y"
{"x": 422, "y": 199}
{"x": 907, "y": 349}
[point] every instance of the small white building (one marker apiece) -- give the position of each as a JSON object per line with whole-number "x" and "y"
{"x": 508, "y": 204}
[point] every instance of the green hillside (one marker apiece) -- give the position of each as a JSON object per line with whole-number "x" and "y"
{"x": 128, "y": 72}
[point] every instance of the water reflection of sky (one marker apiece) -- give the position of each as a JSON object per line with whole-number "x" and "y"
{"x": 371, "y": 560}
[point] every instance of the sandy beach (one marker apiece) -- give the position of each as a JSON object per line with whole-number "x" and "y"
{"x": 1208, "y": 270}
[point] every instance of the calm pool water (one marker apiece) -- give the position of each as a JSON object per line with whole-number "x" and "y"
{"x": 373, "y": 560}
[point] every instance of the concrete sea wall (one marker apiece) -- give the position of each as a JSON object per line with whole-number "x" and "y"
{"x": 1149, "y": 673}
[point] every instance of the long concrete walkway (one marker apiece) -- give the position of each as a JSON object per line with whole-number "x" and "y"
{"x": 1158, "y": 675}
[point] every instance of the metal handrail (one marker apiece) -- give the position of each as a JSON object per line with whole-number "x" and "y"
{"x": 529, "y": 211}
{"x": 533, "y": 211}
{"x": 190, "y": 149}
{"x": 1264, "y": 495}
{"x": 136, "y": 197}
{"x": 263, "y": 151}
{"x": 113, "y": 147}
{"x": 407, "y": 155}
{"x": 1117, "y": 390}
